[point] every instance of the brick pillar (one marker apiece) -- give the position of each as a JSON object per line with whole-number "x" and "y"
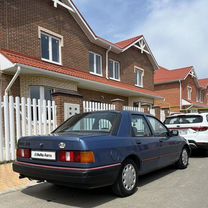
{"x": 157, "y": 111}
{"x": 118, "y": 104}
{"x": 61, "y": 97}
{"x": 167, "y": 111}
{"x": 146, "y": 108}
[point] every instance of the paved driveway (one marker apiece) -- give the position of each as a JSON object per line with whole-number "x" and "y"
{"x": 167, "y": 188}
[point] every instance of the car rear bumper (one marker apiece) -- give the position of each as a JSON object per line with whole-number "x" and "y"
{"x": 73, "y": 177}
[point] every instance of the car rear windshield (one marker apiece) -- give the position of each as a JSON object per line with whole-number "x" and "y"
{"x": 184, "y": 119}
{"x": 90, "y": 122}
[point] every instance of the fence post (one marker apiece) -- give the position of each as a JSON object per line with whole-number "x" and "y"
{"x": 35, "y": 117}
{"x": 44, "y": 118}
{"x": 40, "y": 116}
{"x": 29, "y": 117}
{"x": 54, "y": 115}
{"x": 11, "y": 126}
{"x": 23, "y": 108}
{"x": 18, "y": 125}
{"x": 6, "y": 127}
{"x": 49, "y": 116}
{"x": 1, "y": 132}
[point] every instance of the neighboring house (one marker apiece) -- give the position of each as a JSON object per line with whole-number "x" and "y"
{"x": 48, "y": 51}
{"x": 181, "y": 89}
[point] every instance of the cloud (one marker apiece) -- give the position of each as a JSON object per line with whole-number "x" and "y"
{"x": 177, "y": 33}
{"x": 176, "y": 30}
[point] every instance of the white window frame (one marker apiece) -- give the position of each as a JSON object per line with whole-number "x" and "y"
{"x": 95, "y": 64}
{"x": 201, "y": 96}
{"x": 189, "y": 92}
{"x": 119, "y": 71}
{"x": 51, "y": 35}
{"x": 41, "y": 90}
{"x": 136, "y": 69}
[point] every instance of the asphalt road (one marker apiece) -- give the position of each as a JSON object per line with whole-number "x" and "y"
{"x": 167, "y": 188}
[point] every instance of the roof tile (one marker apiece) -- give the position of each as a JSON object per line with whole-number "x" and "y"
{"x": 164, "y": 75}
{"x": 18, "y": 58}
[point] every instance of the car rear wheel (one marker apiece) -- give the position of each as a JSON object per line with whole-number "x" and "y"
{"x": 126, "y": 183}
{"x": 183, "y": 161}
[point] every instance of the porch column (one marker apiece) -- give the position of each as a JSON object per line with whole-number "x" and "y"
{"x": 146, "y": 108}
{"x": 66, "y": 99}
{"x": 119, "y": 103}
{"x": 157, "y": 111}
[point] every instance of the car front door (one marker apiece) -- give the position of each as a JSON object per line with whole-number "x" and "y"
{"x": 147, "y": 145}
{"x": 168, "y": 145}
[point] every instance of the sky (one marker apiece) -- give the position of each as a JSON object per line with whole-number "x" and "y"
{"x": 175, "y": 30}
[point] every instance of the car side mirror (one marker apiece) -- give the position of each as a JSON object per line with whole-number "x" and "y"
{"x": 174, "y": 133}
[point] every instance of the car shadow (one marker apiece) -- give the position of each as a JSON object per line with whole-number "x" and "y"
{"x": 150, "y": 177}
{"x": 85, "y": 198}
{"x": 199, "y": 154}
{"x": 70, "y": 196}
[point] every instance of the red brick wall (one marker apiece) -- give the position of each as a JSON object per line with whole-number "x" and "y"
{"x": 171, "y": 93}
{"x": 90, "y": 95}
{"x": 19, "y": 21}
{"x": 4, "y": 81}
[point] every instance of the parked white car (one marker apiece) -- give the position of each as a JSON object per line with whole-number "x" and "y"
{"x": 192, "y": 126}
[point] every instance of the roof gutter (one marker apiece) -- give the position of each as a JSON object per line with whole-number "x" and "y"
{"x": 12, "y": 80}
{"x": 72, "y": 78}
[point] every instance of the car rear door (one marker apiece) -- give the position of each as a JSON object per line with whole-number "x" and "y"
{"x": 147, "y": 145}
{"x": 169, "y": 147}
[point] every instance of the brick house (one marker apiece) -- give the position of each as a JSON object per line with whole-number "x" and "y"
{"x": 181, "y": 89}
{"x": 48, "y": 51}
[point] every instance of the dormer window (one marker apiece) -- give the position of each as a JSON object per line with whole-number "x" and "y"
{"x": 51, "y": 44}
{"x": 189, "y": 89}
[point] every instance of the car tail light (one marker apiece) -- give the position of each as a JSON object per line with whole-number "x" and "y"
{"x": 23, "y": 153}
{"x": 200, "y": 128}
{"x": 77, "y": 156}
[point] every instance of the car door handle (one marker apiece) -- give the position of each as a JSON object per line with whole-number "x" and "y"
{"x": 161, "y": 140}
{"x": 138, "y": 142}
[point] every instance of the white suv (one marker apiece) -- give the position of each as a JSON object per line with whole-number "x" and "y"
{"x": 192, "y": 126}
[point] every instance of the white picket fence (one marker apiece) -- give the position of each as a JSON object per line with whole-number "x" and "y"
{"x": 23, "y": 117}
{"x": 89, "y": 106}
{"x": 131, "y": 108}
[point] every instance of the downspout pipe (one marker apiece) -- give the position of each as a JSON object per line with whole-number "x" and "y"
{"x": 180, "y": 95}
{"x": 106, "y": 62}
{"x": 12, "y": 80}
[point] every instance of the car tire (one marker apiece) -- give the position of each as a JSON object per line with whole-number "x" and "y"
{"x": 183, "y": 161}
{"x": 126, "y": 183}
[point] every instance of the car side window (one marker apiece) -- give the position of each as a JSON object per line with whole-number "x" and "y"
{"x": 158, "y": 128}
{"x": 140, "y": 127}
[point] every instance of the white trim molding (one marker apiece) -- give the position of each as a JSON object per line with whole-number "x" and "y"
{"x": 136, "y": 69}
{"x": 49, "y": 32}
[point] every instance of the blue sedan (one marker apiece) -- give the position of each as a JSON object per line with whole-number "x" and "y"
{"x": 98, "y": 149}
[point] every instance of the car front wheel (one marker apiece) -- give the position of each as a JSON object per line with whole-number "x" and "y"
{"x": 126, "y": 183}
{"x": 183, "y": 160}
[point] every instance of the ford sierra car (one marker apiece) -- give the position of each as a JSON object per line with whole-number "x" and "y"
{"x": 98, "y": 149}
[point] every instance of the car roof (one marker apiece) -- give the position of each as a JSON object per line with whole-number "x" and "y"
{"x": 115, "y": 111}
{"x": 187, "y": 114}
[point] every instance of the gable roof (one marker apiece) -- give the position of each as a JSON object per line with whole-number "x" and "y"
{"x": 125, "y": 43}
{"x": 203, "y": 83}
{"x": 164, "y": 75}
{"x": 31, "y": 63}
{"x": 119, "y": 47}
